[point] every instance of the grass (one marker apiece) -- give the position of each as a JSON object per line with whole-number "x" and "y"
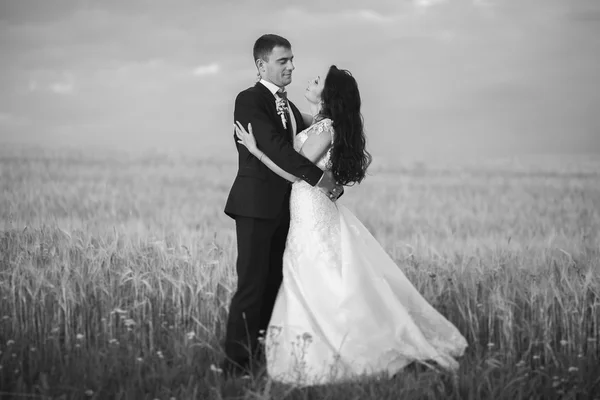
{"x": 116, "y": 271}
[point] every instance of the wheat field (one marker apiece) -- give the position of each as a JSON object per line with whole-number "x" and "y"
{"x": 116, "y": 270}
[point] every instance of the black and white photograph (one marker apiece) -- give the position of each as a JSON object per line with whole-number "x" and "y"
{"x": 303, "y": 200}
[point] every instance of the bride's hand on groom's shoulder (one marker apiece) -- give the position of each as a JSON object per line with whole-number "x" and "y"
{"x": 246, "y": 137}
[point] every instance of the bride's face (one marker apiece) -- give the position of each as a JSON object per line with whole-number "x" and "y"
{"x": 314, "y": 89}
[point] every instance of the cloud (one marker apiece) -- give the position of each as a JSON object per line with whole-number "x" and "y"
{"x": 61, "y": 83}
{"x": 210, "y": 69}
{"x": 32, "y": 86}
{"x": 366, "y": 15}
{"x": 483, "y": 3}
{"x": 62, "y": 88}
{"x": 11, "y": 120}
{"x": 427, "y": 3}
{"x": 304, "y": 17}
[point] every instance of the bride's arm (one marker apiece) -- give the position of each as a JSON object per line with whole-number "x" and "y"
{"x": 247, "y": 139}
{"x": 262, "y": 157}
{"x": 318, "y": 142}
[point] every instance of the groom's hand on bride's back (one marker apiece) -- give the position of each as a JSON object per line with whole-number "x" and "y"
{"x": 329, "y": 187}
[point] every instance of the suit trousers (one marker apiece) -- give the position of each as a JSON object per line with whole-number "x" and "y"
{"x": 260, "y": 245}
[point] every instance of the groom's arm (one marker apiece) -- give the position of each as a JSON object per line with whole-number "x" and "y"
{"x": 248, "y": 110}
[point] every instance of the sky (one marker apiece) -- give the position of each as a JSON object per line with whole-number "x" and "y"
{"x": 437, "y": 77}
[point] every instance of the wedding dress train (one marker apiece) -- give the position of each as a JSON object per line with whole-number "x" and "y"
{"x": 344, "y": 307}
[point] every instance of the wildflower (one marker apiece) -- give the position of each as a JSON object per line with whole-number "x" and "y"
{"x": 564, "y": 342}
{"x": 520, "y": 364}
{"x": 6, "y": 317}
{"x": 307, "y": 337}
{"x": 89, "y": 393}
{"x": 160, "y": 354}
{"x": 14, "y": 355}
{"x": 490, "y": 345}
{"x": 33, "y": 349}
{"x": 275, "y": 330}
{"x": 216, "y": 369}
{"x": 573, "y": 369}
{"x": 113, "y": 341}
{"x": 140, "y": 359}
{"x": 10, "y": 342}
{"x": 79, "y": 336}
{"x": 580, "y": 355}
{"x": 536, "y": 357}
{"x": 191, "y": 335}
{"x": 129, "y": 323}
{"x": 591, "y": 340}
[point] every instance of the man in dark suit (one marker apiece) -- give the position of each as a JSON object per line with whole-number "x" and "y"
{"x": 259, "y": 199}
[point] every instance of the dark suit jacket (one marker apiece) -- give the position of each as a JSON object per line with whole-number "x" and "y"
{"x": 257, "y": 191}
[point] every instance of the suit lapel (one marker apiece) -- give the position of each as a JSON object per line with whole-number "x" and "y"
{"x": 270, "y": 99}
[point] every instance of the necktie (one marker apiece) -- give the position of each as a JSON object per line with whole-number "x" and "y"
{"x": 282, "y": 93}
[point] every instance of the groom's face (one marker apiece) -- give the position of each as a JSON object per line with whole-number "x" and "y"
{"x": 278, "y": 69}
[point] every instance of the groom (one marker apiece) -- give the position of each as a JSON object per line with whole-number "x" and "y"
{"x": 259, "y": 199}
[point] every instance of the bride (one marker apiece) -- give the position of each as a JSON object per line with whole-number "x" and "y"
{"x": 344, "y": 307}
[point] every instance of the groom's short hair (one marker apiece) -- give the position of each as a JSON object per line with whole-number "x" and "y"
{"x": 265, "y": 44}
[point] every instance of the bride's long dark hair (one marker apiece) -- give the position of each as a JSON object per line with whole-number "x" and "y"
{"x": 341, "y": 102}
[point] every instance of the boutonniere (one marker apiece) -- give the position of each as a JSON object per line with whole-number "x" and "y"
{"x": 282, "y": 110}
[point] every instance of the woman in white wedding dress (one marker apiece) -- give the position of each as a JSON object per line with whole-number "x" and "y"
{"x": 344, "y": 307}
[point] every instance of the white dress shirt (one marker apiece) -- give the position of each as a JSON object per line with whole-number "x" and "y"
{"x": 273, "y": 88}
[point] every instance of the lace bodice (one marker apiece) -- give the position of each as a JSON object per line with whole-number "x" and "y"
{"x": 325, "y": 125}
